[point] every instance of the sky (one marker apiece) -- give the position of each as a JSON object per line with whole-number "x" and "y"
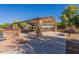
{"x": 21, "y": 12}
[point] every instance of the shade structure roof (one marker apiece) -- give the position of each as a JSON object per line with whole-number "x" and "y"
{"x": 35, "y": 21}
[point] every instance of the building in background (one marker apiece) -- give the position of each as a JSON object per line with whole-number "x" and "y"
{"x": 45, "y": 23}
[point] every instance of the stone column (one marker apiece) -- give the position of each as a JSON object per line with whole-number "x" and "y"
{"x": 39, "y": 29}
{"x": 55, "y": 27}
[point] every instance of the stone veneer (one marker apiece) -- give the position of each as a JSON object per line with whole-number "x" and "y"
{"x": 11, "y": 33}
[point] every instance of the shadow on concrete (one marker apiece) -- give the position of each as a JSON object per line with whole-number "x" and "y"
{"x": 61, "y": 34}
{"x": 44, "y": 45}
{"x": 72, "y": 46}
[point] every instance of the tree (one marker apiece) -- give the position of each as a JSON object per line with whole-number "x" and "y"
{"x": 68, "y": 15}
{"x": 15, "y": 25}
{"x": 76, "y": 21}
{"x": 5, "y": 25}
{"x": 59, "y": 24}
{"x": 24, "y": 25}
{"x": 65, "y": 20}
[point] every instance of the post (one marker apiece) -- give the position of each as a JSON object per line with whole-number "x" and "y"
{"x": 39, "y": 29}
{"x": 55, "y": 27}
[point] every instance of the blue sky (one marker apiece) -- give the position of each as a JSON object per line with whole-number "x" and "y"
{"x": 12, "y": 12}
